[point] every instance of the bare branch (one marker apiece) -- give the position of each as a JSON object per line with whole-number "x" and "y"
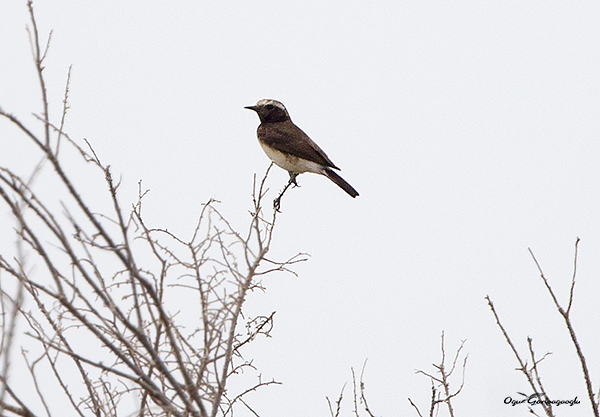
{"x": 415, "y": 407}
{"x": 363, "y": 398}
{"x": 338, "y": 403}
{"x": 567, "y": 319}
{"x": 573, "y": 278}
{"x": 136, "y": 311}
{"x": 538, "y": 391}
{"x": 442, "y": 382}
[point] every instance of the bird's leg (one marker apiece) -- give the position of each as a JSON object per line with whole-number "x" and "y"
{"x": 292, "y": 181}
{"x": 293, "y": 176}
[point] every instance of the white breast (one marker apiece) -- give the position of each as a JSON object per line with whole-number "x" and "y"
{"x": 291, "y": 163}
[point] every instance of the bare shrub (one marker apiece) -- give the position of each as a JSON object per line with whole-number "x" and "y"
{"x": 529, "y": 362}
{"x": 121, "y": 317}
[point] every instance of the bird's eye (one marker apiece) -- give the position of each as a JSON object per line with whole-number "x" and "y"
{"x": 269, "y": 107}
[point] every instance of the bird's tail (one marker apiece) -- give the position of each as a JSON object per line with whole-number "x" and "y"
{"x": 333, "y": 176}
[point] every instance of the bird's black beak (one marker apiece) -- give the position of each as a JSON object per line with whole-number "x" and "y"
{"x": 250, "y": 108}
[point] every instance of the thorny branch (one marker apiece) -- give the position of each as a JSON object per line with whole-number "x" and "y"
{"x": 136, "y": 312}
{"x": 535, "y": 384}
{"x": 532, "y": 372}
{"x": 441, "y": 381}
{"x": 358, "y": 396}
{"x": 567, "y": 318}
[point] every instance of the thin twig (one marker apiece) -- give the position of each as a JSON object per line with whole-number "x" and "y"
{"x": 567, "y": 319}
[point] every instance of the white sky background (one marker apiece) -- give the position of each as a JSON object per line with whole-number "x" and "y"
{"x": 470, "y": 130}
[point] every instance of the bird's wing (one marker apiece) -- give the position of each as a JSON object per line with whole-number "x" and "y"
{"x": 288, "y": 138}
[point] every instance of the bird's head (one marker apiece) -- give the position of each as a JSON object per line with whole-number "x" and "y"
{"x": 270, "y": 111}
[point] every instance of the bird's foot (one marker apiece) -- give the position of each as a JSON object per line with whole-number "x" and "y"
{"x": 277, "y": 203}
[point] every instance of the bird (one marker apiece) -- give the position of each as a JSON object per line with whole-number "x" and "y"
{"x": 290, "y": 148}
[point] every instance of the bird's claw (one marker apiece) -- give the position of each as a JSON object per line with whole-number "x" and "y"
{"x": 277, "y": 204}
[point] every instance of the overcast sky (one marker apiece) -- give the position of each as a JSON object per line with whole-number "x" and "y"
{"x": 469, "y": 128}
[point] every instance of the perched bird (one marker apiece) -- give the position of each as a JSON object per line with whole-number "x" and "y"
{"x": 290, "y": 148}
